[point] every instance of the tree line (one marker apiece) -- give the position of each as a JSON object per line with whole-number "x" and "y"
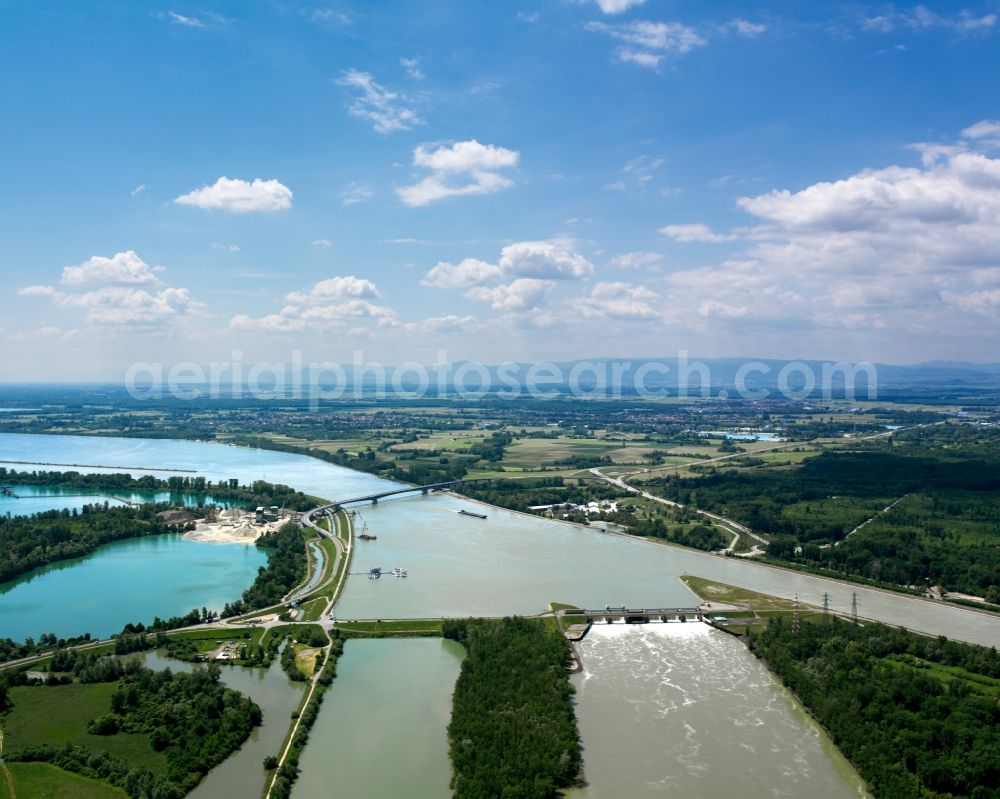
{"x": 259, "y": 492}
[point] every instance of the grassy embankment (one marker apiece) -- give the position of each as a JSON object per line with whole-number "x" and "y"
{"x": 753, "y": 610}
{"x": 400, "y": 628}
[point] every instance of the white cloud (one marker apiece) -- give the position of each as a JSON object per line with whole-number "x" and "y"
{"x": 120, "y": 306}
{"x": 124, "y": 268}
{"x": 332, "y": 304}
{"x": 354, "y": 193}
{"x": 182, "y": 20}
{"x": 465, "y": 156}
{"x": 647, "y": 42}
{"x": 335, "y": 288}
{"x": 621, "y": 301}
{"x": 116, "y": 299}
{"x": 225, "y": 247}
{"x": 553, "y": 259}
{"x": 695, "y": 232}
{"x": 521, "y": 295}
{"x": 468, "y": 272}
{"x": 981, "y": 303}
{"x": 240, "y": 196}
{"x": 330, "y": 15}
{"x": 880, "y": 23}
{"x": 322, "y": 244}
{"x": 897, "y": 254}
{"x": 537, "y": 262}
{"x": 966, "y": 22}
{"x": 464, "y": 168}
{"x": 635, "y": 260}
{"x": 412, "y": 67}
{"x": 639, "y": 174}
{"x": 450, "y": 323}
{"x": 382, "y": 107}
{"x": 138, "y": 190}
{"x": 750, "y": 30}
{"x": 951, "y": 192}
{"x": 986, "y": 131}
{"x": 921, "y": 18}
{"x": 435, "y": 188}
{"x": 617, "y": 6}
{"x": 643, "y": 58}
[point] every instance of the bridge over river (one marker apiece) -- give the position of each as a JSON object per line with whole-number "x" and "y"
{"x": 393, "y": 492}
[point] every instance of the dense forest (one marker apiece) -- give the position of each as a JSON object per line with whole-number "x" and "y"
{"x": 27, "y": 542}
{"x": 257, "y": 493}
{"x": 192, "y": 718}
{"x": 917, "y": 716}
{"x": 943, "y": 528}
{"x": 513, "y": 729}
{"x": 286, "y": 568}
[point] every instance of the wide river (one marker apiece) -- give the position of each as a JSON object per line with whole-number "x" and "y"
{"x": 686, "y": 710}
{"x": 458, "y": 565}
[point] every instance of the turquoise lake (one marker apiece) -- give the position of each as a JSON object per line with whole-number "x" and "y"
{"x": 126, "y": 581}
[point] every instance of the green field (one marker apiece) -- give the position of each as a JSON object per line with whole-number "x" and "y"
{"x": 59, "y": 715}
{"x": 41, "y": 780}
{"x": 532, "y": 453}
{"x": 453, "y": 440}
{"x": 948, "y": 674}
{"x": 428, "y": 627}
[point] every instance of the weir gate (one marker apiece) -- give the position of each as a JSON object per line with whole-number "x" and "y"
{"x": 629, "y": 615}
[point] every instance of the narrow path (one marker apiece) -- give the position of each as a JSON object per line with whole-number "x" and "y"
{"x": 731, "y": 525}
{"x": 6, "y": 771}
{"x": 882, "y": 512}
{"x": 313, "y": 683}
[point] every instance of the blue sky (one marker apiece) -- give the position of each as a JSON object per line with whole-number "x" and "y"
{"x": 501, "y": 181}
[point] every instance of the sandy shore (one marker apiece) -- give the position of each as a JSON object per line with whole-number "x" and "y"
{"x": 219, "y": 534}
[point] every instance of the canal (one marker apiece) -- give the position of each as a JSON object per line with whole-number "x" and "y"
{"x": 382, "y": 728}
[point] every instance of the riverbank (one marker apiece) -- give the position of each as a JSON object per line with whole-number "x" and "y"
{"x": 97, "y": 465}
